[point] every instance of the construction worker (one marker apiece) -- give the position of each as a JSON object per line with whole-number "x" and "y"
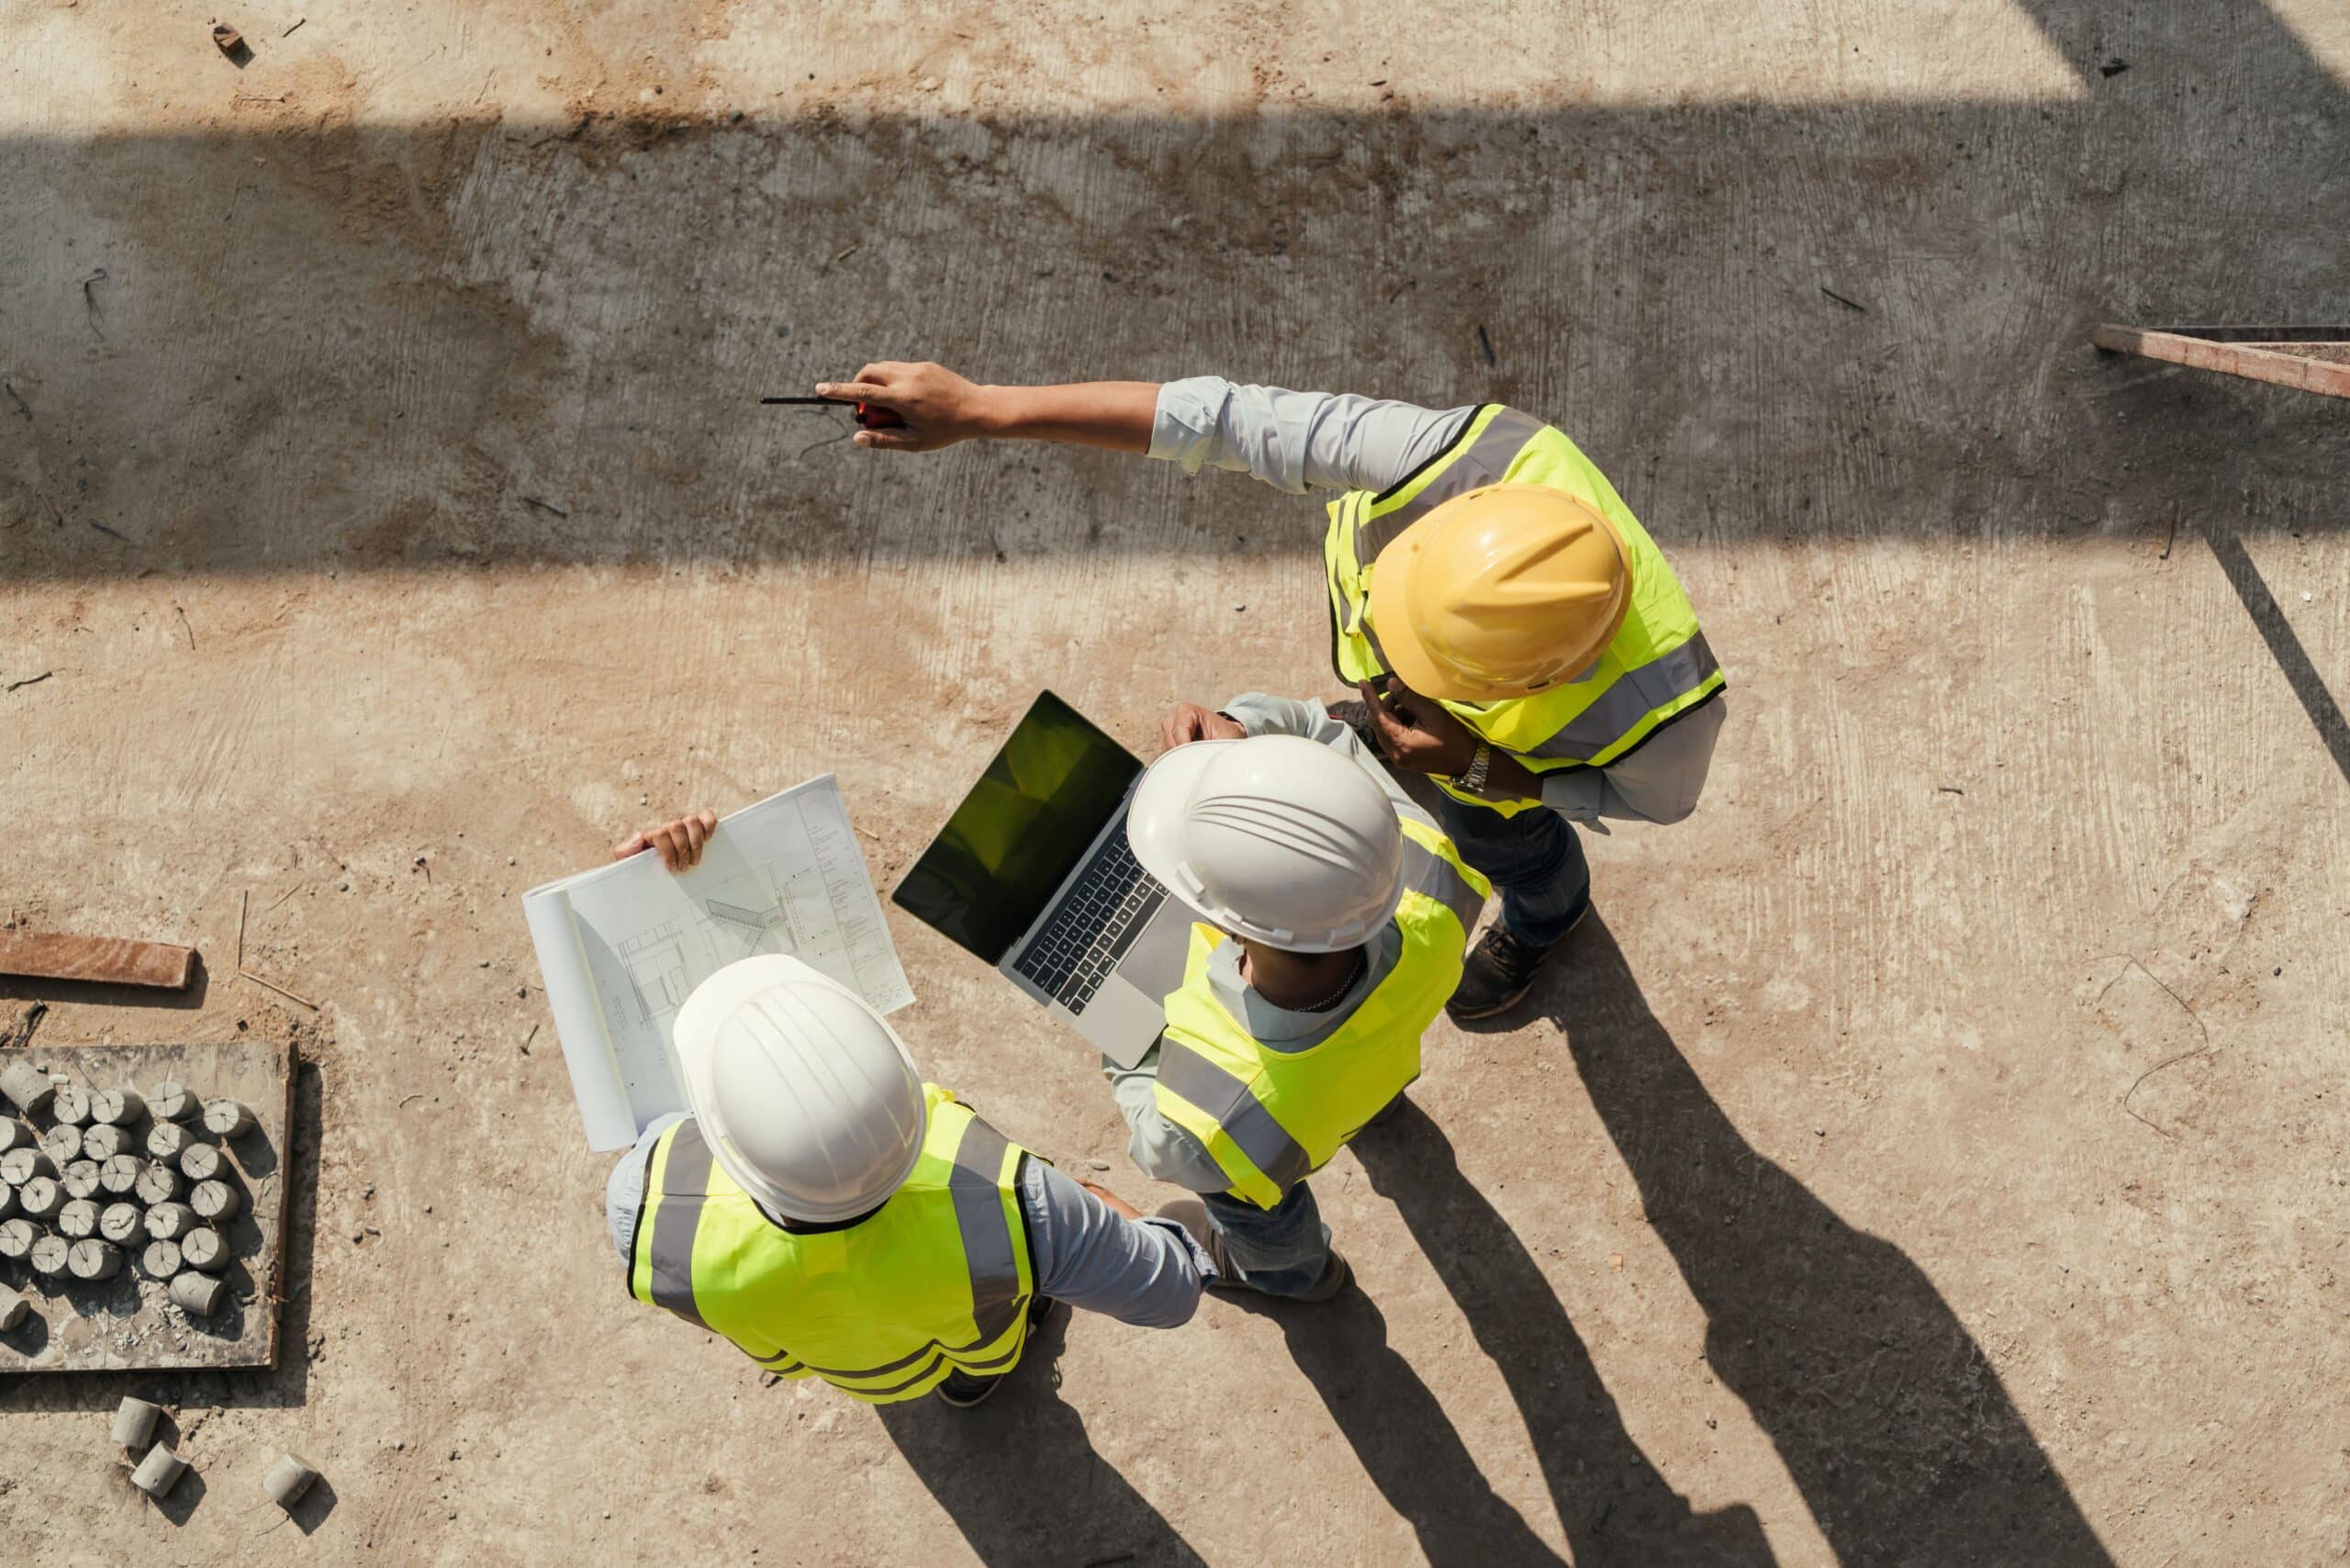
{"x": 1332, "y": 916}
{"x": 836, "y": 1217}
{"x": 1513, "y": 631}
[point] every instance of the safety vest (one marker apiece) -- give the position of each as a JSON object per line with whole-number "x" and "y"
{"x": 1269, "y": 1116}
{"x": 1656, "y": 668}
{"x": 937, "y": 1279}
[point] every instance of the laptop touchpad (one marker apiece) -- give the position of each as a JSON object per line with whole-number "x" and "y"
{"x": 1155, "y": 964}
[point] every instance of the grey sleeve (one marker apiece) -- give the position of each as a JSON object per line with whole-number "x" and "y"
{"x": 624, "y": 1188}
{"x": 1660, "y": 782}
{"x": 1262, "y": 715}
{"x": 1161, "y": 1150}
{"x": 1297, "y": 440}
{"x": 1149, "y": 1273}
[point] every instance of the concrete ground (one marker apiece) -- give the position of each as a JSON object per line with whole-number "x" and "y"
{"x": 1935, "y": 1153}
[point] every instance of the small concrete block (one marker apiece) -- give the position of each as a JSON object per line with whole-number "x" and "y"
{"x": 170, "y": 1101}
{"x": 69, "y": 1107}
{"x": 28, "y": 1087}
{"x": 166, "y": 1140}
{"x": 40, "y": 1198}
{"x": 121, "y": 1224}
{"x": 50, "y": 1255}
{"x": 20, "y": 1166}
{"x": 118, "y": 1176}
{"x": 226, "y": 1119}
{"x": 104, "y": 1141}
{"x": 289, "y": 1479}
{"x": 77, "y": 1219}
{"x": 199, "y": 1293}
{"x": 81, "y": 1179}
{"x": 14, "y": 1133}
{"x": 216, "y": 1201}
{"x": 134, "y": 1422}
{"x": 16, "y": 1237}
{"x": 118, "y": 1107}
{"x": 203, "y": 1249}
{"x": 158, "y": 1184}
{"x": 159, "y": 1471}
{"x": 200, "y": 1161}
{"x": 160, "y": 1261}
{"x": 62, "y": 1144}
{"x": 91, "y": 1259}
{"x": 169, "y": 1221}
{"x": 13, "y": 1309}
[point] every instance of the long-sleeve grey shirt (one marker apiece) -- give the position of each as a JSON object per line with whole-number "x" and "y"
{"x": 1164, "y": 1150}
{"x": 1299, "y": 441}
{"x": 1149, "y": 1273}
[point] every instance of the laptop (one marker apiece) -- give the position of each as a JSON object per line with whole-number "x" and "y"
{"x": 1033, "y": 874}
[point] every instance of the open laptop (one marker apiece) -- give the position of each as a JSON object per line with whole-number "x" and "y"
{"x": 1033, "y": 874}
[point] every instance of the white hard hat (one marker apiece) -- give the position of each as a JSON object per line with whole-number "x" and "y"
{"x": 805, "y": 1096}
{"x": 1274, "y": 838}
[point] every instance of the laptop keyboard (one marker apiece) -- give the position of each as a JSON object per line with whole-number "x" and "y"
{"x": 1090, "y": 929}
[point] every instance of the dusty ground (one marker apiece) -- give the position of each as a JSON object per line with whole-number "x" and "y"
{"x": 1937, "y": 1157}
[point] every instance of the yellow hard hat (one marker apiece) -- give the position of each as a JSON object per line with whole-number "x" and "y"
{"x": 1502, "y": 592}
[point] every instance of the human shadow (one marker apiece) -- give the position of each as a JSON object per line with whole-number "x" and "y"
{"x": 1611, "y": 1501}
{"x": 1020, "y": 1478}
{"x": 1893, "y": 1424}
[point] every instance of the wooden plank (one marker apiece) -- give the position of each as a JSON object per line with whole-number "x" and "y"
{"x": 101, "y": 961}
{"x": 2279, "y": 366}
{"x": 125, "y": 1323}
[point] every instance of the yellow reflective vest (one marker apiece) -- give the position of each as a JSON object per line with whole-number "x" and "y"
{"x": 1657, "y": 668}
{"x": 1270, "y": 1116}
{"x": 937, "y": 1279}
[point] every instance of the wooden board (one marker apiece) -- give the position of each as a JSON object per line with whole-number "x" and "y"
{"x": 126, "y": 1322}
{"x": 100, "y": 961}
{"x": 2309, "y": 359}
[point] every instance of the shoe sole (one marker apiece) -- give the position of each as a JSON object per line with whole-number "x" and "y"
{"x": 1464, "y": 1016}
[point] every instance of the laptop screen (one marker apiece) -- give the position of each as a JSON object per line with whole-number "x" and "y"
{"x": 1019, "y": 832}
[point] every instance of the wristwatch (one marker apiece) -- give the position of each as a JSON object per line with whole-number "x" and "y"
{"x": 1473, "y": 779}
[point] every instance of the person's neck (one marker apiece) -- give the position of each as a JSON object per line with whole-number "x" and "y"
{"x": 1296, "y": 981}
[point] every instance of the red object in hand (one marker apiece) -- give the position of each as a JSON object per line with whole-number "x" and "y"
{"x": 875, "y": 417}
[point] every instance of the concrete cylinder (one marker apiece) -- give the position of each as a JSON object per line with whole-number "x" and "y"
{"x": 118, "y": 1107}
{"x": 227, "y": 1119}
{"x": 81, "y": 1179}
{"x": 28, "y": 1088}
{"x": 40, "y": 1198}
{"x": 91, "y": 1259}
{"x": 118, "y": 1176}
{"x": 158, "y": 1184}
{"x": 160, "y": 1260}
{"x": 49, "y": 1254}
{"x": 105, "y": 1140}
{"x": 134, "y": 1422}
{"x": 20, "y": 1166}
{"x": 121, "y": 1224}
{"x": 289, "y": 1479}
{"x": 17, "y": 1236}
{"x": 166, "y": 1140}
{"x": 14, "y": 1309}
{"x": 170, "y": 1101}
{"x": 169, "y": 1221}
{"x": 14, "y": 1133}
{"x": 216, "y": 1201}
{"x": 76, "y": 1219}
{"x": 199, "y": 1293}
{"x": 62, "y": 1144}
{"x": 203, "y": 1249}
{"x": 69, "y": 1107}
{"x": 201, "y": 1161}
{"x": 159, "y": 1471}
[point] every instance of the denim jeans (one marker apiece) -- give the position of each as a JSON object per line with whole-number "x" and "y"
{"x": 1535, "y": 861}
{"x": 1281, "y": 1250}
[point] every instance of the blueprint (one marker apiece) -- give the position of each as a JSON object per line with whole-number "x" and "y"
{"x": 623, "y": 945}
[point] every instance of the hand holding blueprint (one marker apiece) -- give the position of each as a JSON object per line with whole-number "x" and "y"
{"x": 621, "y": 946}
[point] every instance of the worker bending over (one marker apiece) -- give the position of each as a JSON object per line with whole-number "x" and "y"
{"x": 1335, "y": 915}
{"x": 1512, "y": 631}
{"x": 836, "y": 1217}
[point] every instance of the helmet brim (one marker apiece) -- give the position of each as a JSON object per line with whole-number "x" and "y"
{"x": 1155, "y": 818}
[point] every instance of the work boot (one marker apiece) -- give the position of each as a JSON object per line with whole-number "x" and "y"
{"x": 962, "y": 1390}
{"x": 1499, "y": 973}
{"x": 1333, "y": 1279}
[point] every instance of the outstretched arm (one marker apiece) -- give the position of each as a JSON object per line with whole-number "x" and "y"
{"x": 940, "y": 408}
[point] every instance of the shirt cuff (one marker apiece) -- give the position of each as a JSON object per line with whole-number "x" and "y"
{"x": 1199, "y": 1259}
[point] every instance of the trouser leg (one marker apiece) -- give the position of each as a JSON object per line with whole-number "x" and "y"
{"x": 1281, "y": 1250}
{"x": 1534, "y": 860}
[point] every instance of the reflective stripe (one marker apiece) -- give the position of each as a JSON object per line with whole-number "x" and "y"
{"x": 1482, "y": 462}
{"x": 1191, "y": 1076}
{"x": 1631, "y": 697}
{"x": 676, "y": 1218}
{"x": 987, "y": 1232}
{"x": 1431, "y": 875}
